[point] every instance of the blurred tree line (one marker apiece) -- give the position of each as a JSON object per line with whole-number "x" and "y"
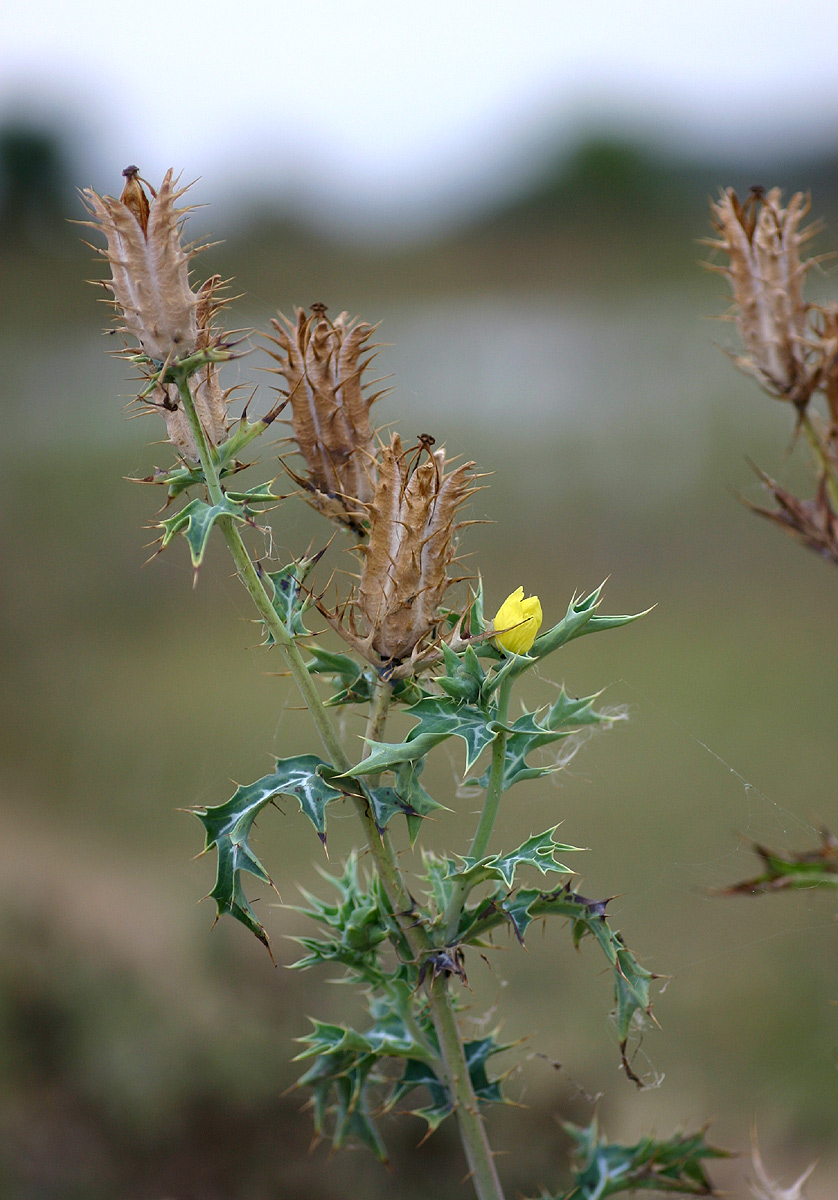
{"x": 608, "y": 210}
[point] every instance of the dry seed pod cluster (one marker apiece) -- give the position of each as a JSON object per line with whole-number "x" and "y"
{"x": 790, "y": 345}
{"x": 407, "y": 506}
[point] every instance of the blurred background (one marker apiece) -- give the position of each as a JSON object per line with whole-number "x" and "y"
{"x": 516, "y": 194}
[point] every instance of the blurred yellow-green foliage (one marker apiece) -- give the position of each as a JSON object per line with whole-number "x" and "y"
{"x": 562, "y": 343}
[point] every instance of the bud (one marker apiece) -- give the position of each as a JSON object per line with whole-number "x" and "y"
{"x": 321, "y": 362}
{"x": 763, "y": 241}
{"x": 149, "y": 267}
{"x": 517, "y": 622}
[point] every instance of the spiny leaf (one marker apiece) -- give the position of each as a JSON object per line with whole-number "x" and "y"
{"x": 387, "y": 1038}
{"x": 289, "y": 598}
{"x": 358, "y": 923}
{"x": 406, "y": 797}
{"x": 340, "y": 1091}
{"x": 347, "y": 1068}
{"x": 631, "y": 980}
{"x": 537, "y": 851}
{"x": 563, "y": 718}
{"x": 420, "y": 804}
{"x": 523, "y": 736}
{"x": 260, "y": 494}
{"x": 228, "y": 827}
{"x": 181, "y": 477}
{"x": 439, "y": 718}
{"x": 581, "y": 618}
{"x": 478, "y": 1053}
{"x": 355, "y": 684}
{"x": 421, "y": 1074}
{"x": 242, "y": 436}
{"x": 804, "y": 869}
{"x": 385, "y": 802}
{"x": 195, "y": 521}
{"x": 675, "y": 1166}
{"x": 575, "y": 711}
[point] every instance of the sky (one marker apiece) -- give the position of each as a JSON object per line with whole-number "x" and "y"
{"x": 418, "y": 106}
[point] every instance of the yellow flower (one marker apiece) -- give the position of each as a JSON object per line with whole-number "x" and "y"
{"x": 518, "y": 621}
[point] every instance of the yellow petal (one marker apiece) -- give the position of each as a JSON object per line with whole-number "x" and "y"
{"x": 518, "y": 621}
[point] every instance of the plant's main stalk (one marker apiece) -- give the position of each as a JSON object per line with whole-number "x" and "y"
{"x": 469, "y": 1121}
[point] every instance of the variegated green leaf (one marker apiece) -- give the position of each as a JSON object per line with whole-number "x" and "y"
{"x": 631, "y": 980}
{"x": 439, "y": 719}
{"x": 289, "y": 597}
{"x": 420, "y": 1074}
{"x": 804, "y": 869}
{"x": 603, "y": 1169}
{"x": 527, "y": 734}
{"x": 581, "y": 618}
{"x": 228, "y": 827}
{"x": 539, "y": 851}
{"x": 195, "y": 521}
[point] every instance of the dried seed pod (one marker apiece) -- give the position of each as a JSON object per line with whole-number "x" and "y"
{"x": 323, "y": 364}
{"x": 763, "y": 241}
{"x": 827, "y": 340}
{"x": 411, "y": 546}
{"x": 211, "y": 400}
{"x": 149, "y": 266}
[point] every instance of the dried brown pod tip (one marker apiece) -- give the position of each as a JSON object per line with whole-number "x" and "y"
{"x": 149, "y": 266}
{"x": 813, "y": 522}
{"x": 323, "y": 363}
{"x": 763, "y": 240}
{"x": 411, "y": 545}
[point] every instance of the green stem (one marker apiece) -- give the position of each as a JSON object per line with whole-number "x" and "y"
{"x": 491, "y": 805}
{"x": 472, "y": 1131}
{"x": 494, "y": 791}
{"x": 469, "y": 1122}
{"x": 250, "y": 578}
{"x": 377, "y": 718}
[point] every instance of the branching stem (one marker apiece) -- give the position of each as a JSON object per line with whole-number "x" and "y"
{"x": 472, "y": 1131}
